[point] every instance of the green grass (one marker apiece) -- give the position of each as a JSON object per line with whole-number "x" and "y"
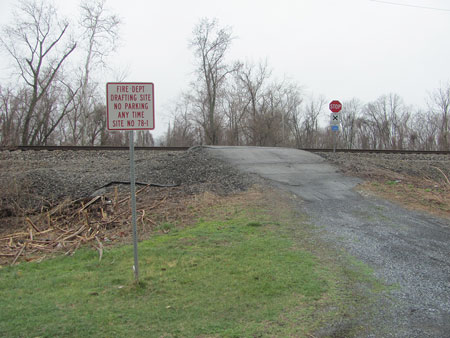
{"x": 391, "y": 182}
{"x": 242, "y": 277}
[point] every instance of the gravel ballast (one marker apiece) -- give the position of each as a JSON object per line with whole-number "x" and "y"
{"x": 392, "y": 166}
{"x": 29, "y": 179}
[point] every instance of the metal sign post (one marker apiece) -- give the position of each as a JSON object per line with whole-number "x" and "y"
{"x": 131, "y": 106}
{"x": 334, "y": 130}
{"x": 133, "y": 204}
{"x": 334, "y": 140}
{"x": 335, "y": 106}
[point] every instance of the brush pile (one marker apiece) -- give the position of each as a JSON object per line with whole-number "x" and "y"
{"x": 96, "y": 222}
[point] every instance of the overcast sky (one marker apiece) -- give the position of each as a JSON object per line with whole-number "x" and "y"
{"x": 340, "y": 49}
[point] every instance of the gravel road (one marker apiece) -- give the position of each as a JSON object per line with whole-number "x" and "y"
{"x": 408, "y": 250}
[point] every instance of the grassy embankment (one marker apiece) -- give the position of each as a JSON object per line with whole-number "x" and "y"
{"x": 250, "y": 266}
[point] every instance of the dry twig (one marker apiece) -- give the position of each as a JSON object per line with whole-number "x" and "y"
{"x": 443, "y": 174}
{"x": 32, "y": 224}
{"x": 92, "y": 201}
{"x": 18, "y": 254}
{"x": 100, "y": 248}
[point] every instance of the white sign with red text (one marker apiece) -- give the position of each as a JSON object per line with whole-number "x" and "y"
{"x": 130, "y": 106}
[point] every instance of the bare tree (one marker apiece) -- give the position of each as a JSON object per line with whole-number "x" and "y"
{"x": 280, "y": 100}
{"x": 296, "y": 120}
{"x": 12, "y": 106}
{"x": 439, "y": 105}
{"x": 234, "y": 106}
{"x": 51, "y": 109}
{"x": 292, "y": 102}
{"x": 314, "y": 108}
{"x": 97, "y": 124}
{"x": 182, "y": 128}
{"x": 100, "y": 36}
{"x": 36, "y": 42}
{"x": 423, "y": 131}
{"x": 384, "y": 114}
{"x": 254, "y": 80}
{"x": 266, "y": 106}
{"x": 349, "y": 115}
{"x": 210, "y": 43}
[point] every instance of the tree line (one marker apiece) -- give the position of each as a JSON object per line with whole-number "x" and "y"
{"x": 240, "y": 103}
{"x": 56, "y": 97}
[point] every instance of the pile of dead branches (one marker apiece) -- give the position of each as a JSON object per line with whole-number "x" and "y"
{"x": 71, "y": 224}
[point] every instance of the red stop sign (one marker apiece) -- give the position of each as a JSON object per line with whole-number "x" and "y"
{"x": 335, "y": 106}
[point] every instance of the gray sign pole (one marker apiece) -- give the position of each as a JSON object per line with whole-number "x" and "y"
{"x": 334, "y": 140}
{"x": 133, "y": 204}
{"x": 335, "y": 107}
{"x": 121, "y": 98}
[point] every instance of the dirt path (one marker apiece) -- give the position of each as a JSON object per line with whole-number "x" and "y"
{"x": 408, "y": 250}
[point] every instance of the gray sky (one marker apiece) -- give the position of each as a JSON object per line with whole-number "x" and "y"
{"x": 339, "y": 49}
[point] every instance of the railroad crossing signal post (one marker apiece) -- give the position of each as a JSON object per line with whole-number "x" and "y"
{"x": 335, "y": 107}
{"x": 131, "y": 106}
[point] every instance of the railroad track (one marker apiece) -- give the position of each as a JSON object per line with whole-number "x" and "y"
{"x": 101, "y": 148}
{"x": 88, "y": 148}
{"x": 380, "y": 151}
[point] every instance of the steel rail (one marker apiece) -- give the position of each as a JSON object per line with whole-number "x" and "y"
{"x": 378, "y": 151}
{"x": 89, "y": 148}
{"x": 315, "y": 150}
